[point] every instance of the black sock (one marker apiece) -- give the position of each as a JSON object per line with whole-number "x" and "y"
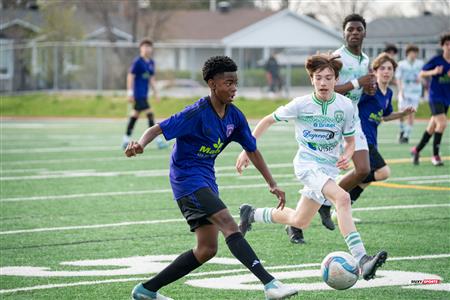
{"x": 241, "y": 249}
{"x": 130, "y": 126}
{"x": 370, "y": 177}
{"x": 425, "y": 138}
{"x": 151, "y": 120}
{"x": 182, "y": 265}
{"x": 355, "y": 193}
{"x": 437, "y": 143}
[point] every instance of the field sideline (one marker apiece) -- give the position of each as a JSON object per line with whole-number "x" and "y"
{"x": 81, "y": 221}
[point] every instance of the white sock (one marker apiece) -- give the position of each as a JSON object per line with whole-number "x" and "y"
{"x": 263, "y": 215}
{"x": 355, "y": 245}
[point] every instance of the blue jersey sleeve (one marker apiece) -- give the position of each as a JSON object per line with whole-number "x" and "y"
{"x": 244, "y": 136}
{"x": 179, "y": 124}
{"x": 430, "y": 65}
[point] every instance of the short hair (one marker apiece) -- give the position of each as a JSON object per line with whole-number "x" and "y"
{"x": 319, "y": 62}
{"x": 146, "y": 42}
{"x": 353, "y": 18}
{"x": 381, "y": 59}
{"x": 445, "y": 37}
{"x": 391, "y": 48}
{"x": 217, "y": 65}
{"x": 411, "y": 48}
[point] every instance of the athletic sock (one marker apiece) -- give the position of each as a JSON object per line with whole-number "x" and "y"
{"x": 355, "y": 193}
{"x": 370, "y": 177}
{"x": 437, "y": 143}
{"x": 263, "y": 215}
{"x": 241, "y": 249}
{"x": 130, "y": 126}
{"x": 355, "y": 245}
{"x": 425, "y": 138}
{"x": 182, "y": 265}
{"x": 151, "y": 120}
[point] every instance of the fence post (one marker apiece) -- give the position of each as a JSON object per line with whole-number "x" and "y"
{"x": 99, "y": 69}
{"x": 55, "y": 67}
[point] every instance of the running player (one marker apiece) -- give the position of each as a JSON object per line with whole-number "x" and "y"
{"x": 202, "y": 132}
{"x": 438, "y": 68}
{"x": 409, "y": 88}
{"x": 322, "y": 120}
{"x": 372, "y": 111}
{"x": 140, "y": 76}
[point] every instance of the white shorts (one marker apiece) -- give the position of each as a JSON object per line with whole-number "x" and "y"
{"x": 314, "y": 179}
{"x": 360, "y": 138}
{"x": 408, "y": 102}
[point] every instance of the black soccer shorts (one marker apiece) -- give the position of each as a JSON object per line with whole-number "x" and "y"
{"x": 198, "y": 206}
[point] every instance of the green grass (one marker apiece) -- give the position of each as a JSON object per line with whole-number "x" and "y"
{"x": 61, "y": 105}
{"x": 81, "y": 154}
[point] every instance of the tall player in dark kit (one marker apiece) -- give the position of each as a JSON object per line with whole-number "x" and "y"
{"x": 202, "y": 131}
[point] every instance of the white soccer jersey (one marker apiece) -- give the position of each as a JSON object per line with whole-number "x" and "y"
{"x": 408, "y": 73}
{"x": 353, "y": 67}
{"x": 319, "y": 128}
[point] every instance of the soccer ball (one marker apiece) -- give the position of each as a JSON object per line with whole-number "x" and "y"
{"x": 339, "y": 270}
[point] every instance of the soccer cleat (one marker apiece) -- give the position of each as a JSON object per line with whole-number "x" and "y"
{"x": 368, "y": 265}
{"x": 325, "y": 215}
{"x": 246, "y": 216}
{"x": 275, "y": 290}
{"x": 437, "y": 161}
{"x": 295, "y": 235}
{"x": 141, "y": 293}
{"x": 415, "y": 155}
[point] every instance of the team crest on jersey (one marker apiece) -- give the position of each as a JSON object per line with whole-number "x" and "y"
{"x": 339, "y": 116}
{"x": 230, "y": 129}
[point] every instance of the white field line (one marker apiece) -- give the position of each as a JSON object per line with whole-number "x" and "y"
{"x": 163, "y": 172}
{"x": 137, "y": 279}
{"x": 147, "y": 222}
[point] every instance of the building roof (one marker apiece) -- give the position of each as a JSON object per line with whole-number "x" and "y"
{"x": 209, "y": 25}
{"x": 421, "y": 29}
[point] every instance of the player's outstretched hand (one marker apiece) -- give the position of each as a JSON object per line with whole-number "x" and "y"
{"x": 280, "y": 195}
{"x": 242, "y": 162}
{"x": 133, "y": 148}
{"x": 343, "y": 163}
{"x": 409, "y": 110}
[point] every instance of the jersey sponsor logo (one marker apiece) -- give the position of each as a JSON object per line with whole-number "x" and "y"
{"x": 230, "y": 129}
{"x": 318, "y": 134}
{"x": 206, "y": 151}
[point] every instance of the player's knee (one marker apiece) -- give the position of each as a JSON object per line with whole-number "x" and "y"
{"x": 362, "y": 171}
{"x": 343, "y": 201}
{"x": 205, "y": 253}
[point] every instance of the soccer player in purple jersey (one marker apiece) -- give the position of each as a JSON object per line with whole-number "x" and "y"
{"x": 202, "y": 131}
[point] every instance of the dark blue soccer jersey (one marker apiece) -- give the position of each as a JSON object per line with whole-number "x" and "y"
{"x": 371, "y": 111}
{"x": 439, "y": 90}
{"x": 200, "y": 136}
{"x": 142, "y": 71}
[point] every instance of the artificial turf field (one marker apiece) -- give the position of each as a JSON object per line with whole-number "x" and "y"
{"x": 79, "y": 220}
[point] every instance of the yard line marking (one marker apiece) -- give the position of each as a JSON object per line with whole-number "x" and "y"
{"x": 146, "y": 222}
{"x": 410, "y": 186}
{"x": 137, "y": 279}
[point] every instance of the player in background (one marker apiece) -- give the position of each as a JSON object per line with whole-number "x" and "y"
{"x": 139, "y": 77}
{"x": 202, "y": 131}
{"x": 354, "y": 77}
{"x": 409, "y": 88}
{"x": 374, "y": 109}
{"x": 323, "y": 119}
{"x": 438, "y": 68}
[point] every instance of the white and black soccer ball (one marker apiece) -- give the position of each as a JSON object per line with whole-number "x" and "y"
{"x": 339, "y": 270}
